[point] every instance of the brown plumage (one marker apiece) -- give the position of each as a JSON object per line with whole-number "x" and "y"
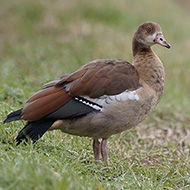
{"x": 102, "y": 98}
{"x": 45, "y": 102}
{"x": 100, "y": 77}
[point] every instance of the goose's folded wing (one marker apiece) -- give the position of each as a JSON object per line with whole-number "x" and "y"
{"x": 73, "y": 95}
{"x": 101, "y": 77}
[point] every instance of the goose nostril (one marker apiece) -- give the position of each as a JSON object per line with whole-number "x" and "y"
{"x": 161, "y": 39}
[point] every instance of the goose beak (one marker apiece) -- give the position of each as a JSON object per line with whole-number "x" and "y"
{"x": 159, "y": 39}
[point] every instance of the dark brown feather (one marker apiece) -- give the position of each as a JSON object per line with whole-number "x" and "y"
{"x": 102, "y": 77}
{"x": 43, "y": 93}
{"x": 45, "y": 102}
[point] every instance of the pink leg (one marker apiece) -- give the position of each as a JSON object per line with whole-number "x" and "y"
{"x": 96, "y": 149}
{"x": 104, "y": 151}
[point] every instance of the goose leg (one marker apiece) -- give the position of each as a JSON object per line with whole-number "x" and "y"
{"x": 104, "y": 151}
{"x": 96, "y": 149}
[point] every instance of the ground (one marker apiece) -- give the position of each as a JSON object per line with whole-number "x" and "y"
{"x": 42, "y": 40}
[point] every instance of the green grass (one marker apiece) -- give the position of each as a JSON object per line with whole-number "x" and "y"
{"x": 40, "y": 41}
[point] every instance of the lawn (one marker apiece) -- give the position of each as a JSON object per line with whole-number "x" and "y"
{"x": 42, "y": 40}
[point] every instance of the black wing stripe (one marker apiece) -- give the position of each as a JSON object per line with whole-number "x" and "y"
{"x": 72, "y": 109}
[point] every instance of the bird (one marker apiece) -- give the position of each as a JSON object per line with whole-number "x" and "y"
{"x": 102, "y": 98}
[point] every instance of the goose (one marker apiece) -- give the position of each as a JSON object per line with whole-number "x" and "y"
{"x": 102, "y": 98}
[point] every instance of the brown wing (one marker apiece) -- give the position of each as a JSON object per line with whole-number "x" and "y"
{"x": 99, "y": 77}
{"x": 45, "y": 102}
{"x": 102, "y": 77}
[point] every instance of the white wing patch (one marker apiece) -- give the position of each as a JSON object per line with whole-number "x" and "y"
{"x": 98, "y": 103}
{"x": 124, "y": 96}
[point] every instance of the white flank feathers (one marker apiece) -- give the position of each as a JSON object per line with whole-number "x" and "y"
{"x": 98, "y": 103}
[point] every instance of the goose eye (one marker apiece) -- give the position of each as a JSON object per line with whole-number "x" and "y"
{"x": 149, "y": 30}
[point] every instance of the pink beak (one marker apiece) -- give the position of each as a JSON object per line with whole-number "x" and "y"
{"x": 161, "y": 40}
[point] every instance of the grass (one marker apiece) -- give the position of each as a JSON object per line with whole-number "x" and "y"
{"x": 40, "y": 41}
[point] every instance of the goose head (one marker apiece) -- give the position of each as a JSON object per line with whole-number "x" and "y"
{"x": 149, "y": 34}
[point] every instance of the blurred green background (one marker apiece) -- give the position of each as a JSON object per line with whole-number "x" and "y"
{"x": 42, "y": 40}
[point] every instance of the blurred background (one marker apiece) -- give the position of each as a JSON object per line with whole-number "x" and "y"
{"x": 42, "y": 40}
